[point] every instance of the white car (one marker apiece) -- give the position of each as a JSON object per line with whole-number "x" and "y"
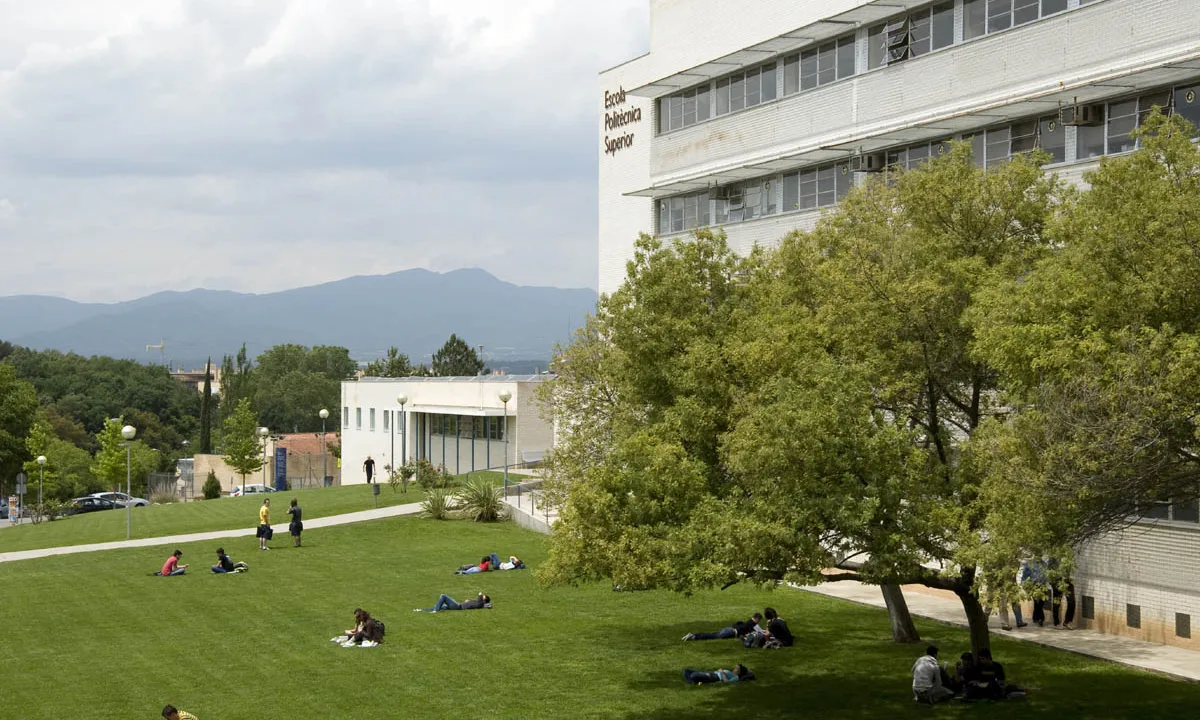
{"x": 120, "y": 499}
{"x": 251, "y": 490}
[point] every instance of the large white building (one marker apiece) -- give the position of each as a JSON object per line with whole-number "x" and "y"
{"x": 755, "y": 115}
{"x": 456, "y": 423}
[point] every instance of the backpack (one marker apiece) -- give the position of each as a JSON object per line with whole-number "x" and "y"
{"x": 382, "y": 629}
{"x": 754, "y": 639}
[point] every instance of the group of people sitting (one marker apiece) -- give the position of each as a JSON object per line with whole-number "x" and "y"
{"x": 224, "y": 565}
{"x": 491, "y": 562}
{"x": 975, "y": 677}
{"x": 752, "y": 633}
{"x": 367, "y": 631}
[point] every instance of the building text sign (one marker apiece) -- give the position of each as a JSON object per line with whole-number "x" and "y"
{"x": 615, "y": 117}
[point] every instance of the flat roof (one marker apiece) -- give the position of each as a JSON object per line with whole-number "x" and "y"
{"x": 462, "y": 378}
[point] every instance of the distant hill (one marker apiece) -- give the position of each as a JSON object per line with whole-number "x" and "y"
{"x": 415, "y": 310}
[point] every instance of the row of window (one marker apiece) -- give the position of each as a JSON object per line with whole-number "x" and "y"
{"x": 906, "y": 36}
{"x": 471, "y": 427}
{"x": 1102, "y": 129}
{"x": 467, "y": 427}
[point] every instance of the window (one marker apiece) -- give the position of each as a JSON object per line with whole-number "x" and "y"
{"x": 1052, "y": 138}
{"x": 682, "y": 213}
{"x": 372, "y": 420}
{"x": 1089, "y": 139}
{"x": 821, "y": 65}
{"x": 1024, "y": 136}
{"x": 791, "y": 192}
{"x": 480, "y": 427}
{"x": 974, "y": 19}
{"x": 912, "y": 35}
{"x": 1187, "y": 104}
{"x": 358, "y": 418}
{"x": 745, "y": 201}
{"x": 1049, "y": 7}
{"x": 1146, "y": 103}
{"x": 999, "y": 14}
{"x": 682, "y": 109}
{"x": 1122, "y": 119}
{"x": 816, "y": 187}
{"x": 1133, "y": 615}
{"x": 346, "y": 416}
{"x": 876, "y": 48}
{"x": 496, "y": 428}
{"x": 976, "y": 140}
{"x": 1025, "y": 11}
{"x": 996, "y": 146}
{"x": 745, "y": 89}
{"x": 1183, "y": 625}
{"x": 450, "y": 424}
{"x": 1186, "y": 511}
{"x": 386, "y": 414}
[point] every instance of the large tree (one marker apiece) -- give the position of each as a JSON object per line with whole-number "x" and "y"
{"x": 394, "y": 365}
{"x": 18, "y": 406}
{"x": 114, "y": 465}
{"x": 67, "y": 472}
{"x": 242, "y": 446}
{"x": 803, "y": 409}
{"x": 456, "y": 358}
{"x": 1100, "y": 345}
{"x": 293, "y": 383}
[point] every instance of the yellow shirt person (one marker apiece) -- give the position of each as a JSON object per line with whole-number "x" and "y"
{"x": 264, "y": 524}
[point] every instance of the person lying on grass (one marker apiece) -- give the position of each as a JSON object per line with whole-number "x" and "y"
{"x": 514, "y": 563}
{"x": 172, "y": 566}
{"x": 740, "y": 673}
{"x": 484, "y": 565}
{"x": 445, "y": 602}
{"x": 171, "y": 712}
{"x": 736, "y": 630}
{"x": 226, "y": 565}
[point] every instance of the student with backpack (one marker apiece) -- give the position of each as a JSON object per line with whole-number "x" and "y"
{"x": 777, "y": 628}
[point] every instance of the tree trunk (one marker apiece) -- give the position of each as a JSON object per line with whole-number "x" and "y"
{"x": 903, "y": 630}
{"x": 977, "y": 621}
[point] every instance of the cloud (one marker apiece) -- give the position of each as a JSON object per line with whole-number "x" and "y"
{"x": 162, "y": 144}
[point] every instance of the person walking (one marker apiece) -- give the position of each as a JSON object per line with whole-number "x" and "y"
{"x": 264, "y": 524}
{"x": 296, "y": 526}
{"x": 369, "y": 469}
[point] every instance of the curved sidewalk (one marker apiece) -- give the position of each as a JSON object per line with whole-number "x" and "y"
{"x": 328, "y": 521}
{"x": 1166, "y": 659}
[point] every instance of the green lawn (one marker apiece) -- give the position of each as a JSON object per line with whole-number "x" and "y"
{"x": 226, "y": 513}
{"x": 93, "y": 635}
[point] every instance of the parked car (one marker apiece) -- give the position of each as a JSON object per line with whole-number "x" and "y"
{"x": 90, "y": 504}
{"x": 120, "y": 499}
{"x": 252, "y": 490}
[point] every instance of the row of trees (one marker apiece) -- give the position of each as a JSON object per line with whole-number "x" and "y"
{"x": 954, "y": 371}
{"x": 455, "y": 359}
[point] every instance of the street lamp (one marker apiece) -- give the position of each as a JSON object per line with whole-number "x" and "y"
{"x": 402, "y": 400}
{"x": 128, "y": 432}
{"x": 262, "y": 433}
{"x": 504, "y": 398}
{"x": 324, "y": 470}
{"x": 41, "y": 461}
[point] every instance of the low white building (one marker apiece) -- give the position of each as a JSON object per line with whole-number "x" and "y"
{"x": 461, "y": 424}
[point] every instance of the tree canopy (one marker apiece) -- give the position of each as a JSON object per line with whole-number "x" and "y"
{"x": 243, "y": 448}
{"x": 456, "y": 359}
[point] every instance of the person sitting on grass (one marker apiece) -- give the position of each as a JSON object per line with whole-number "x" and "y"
{"x": 514, "y": 563}
{"x": 367, "y": 633}
{"x": 927, "y": 679}
{"x": 445, "y": 602}
{"x": 172, "y": 566}
{"x": 985, "y": 680}
{"x": 484, "y": 565}
{"x": 740, "y": 673}
{"x": 360, "y": 619}
{"x": 171, "y": 712}
{"x": 736, "y": 630}
{"x": 777, "y": 628}
{"x": 226, "y": 565}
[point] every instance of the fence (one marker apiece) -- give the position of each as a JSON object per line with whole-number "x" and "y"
{"x": 306, "y": 471}
{"x": 180, "y": 484}
{"x": 529, "y": 497}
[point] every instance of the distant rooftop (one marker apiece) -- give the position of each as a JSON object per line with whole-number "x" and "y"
{"x": 465, "y": 378}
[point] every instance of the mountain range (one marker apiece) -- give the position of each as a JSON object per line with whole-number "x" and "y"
{"x": 414, "y": 310}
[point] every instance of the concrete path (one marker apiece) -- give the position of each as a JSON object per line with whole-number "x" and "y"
{"x": 320, "y": 522}
{"x": 1165, "y": 659}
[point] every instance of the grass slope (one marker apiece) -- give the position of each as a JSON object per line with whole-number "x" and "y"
{"x": 94, "y": 636}
{"x": 228, "y": 513}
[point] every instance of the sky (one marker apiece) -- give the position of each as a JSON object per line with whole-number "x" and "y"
{"x": 258, "y": 145}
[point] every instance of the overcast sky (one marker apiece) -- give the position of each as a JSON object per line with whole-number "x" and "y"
{"x": 256, "y": 145}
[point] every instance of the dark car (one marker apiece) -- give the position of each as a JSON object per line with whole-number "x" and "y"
{"x": 91, "y": 504}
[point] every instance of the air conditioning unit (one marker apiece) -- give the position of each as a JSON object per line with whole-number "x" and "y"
{"x": 1085, "y": 116}
{"x": 872, "y": 162}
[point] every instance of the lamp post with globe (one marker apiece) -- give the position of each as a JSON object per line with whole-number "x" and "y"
{"x": 128, "y": 432}
{"x": 324, "y": 469}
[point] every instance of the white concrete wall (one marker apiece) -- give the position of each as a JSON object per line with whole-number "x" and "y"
{"x": 1156, "y": 567}
{"x": 457, "y": 396}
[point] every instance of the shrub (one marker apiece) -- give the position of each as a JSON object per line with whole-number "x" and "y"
{"x": 428, "y": 476}
{"x": 50, "y": 509}
{"x": 163, "y": 497}
{"x": 400, "y": 477}
{"x": 481, "y": 501}
{"x": 437, "y": 505}
{"x": 212, "y": 486}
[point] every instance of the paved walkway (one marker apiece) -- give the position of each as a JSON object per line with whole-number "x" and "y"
{"x": 320, "y": 522}
{"x": 1165, "y": 659}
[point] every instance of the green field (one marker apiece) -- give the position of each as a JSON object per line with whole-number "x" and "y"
{"x": 94, "y": 636}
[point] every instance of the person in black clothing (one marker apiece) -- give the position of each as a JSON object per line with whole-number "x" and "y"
{"x": 445, "y": 602}
{"x": 778, "y": 629}
{"x": 369, "y": 469}
{"x": 226, "y": 565}
{"x": 296, "y": 526}
{"x": 984, "y": 679}
{"x": 736, "y": 630}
